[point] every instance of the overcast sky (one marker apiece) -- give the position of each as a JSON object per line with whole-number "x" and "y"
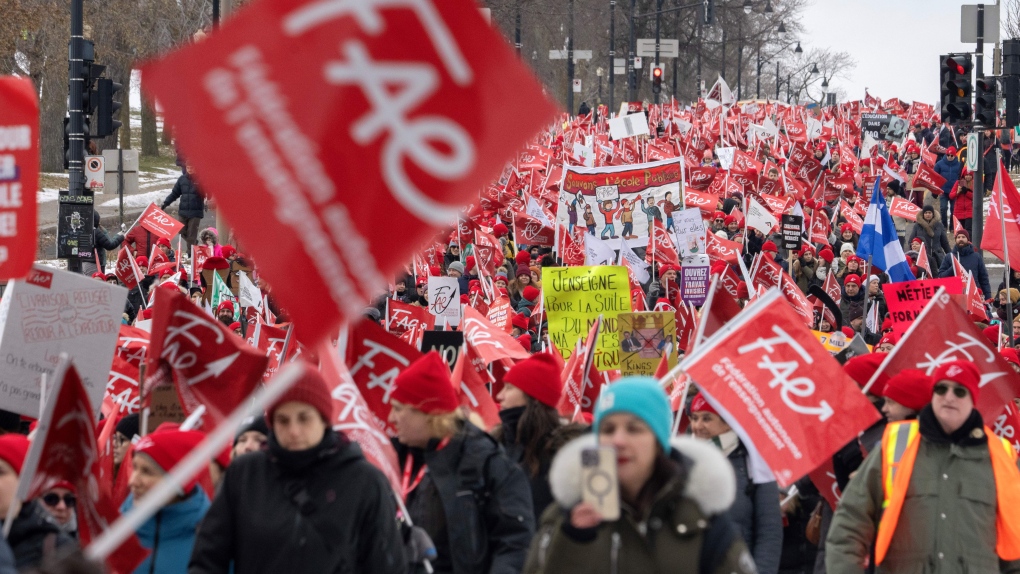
{"x": 896, "y": 43}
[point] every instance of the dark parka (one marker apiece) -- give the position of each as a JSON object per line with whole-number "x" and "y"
{"x": 804, "y": 273}
{"x": 332, "y": 514}
{"x": 972, "y": 262}
{"x": 686, "y": 529}
{"x": 485, "y": 498}
{"x": 756, "y": 512}
{"x": 192, "y": 201}
{"x": 947, "y": 523}
{"x": 932, "y": 234}
{"x": 36, "y": 538}
{"x": 949, "y": 170}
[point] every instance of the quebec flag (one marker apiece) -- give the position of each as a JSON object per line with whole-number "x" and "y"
{"x": 880, "y": 241}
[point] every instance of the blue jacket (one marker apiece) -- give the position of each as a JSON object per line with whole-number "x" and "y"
{"x": 950, "y": 170}
{"x": 174, "y": 528}
{"x": 971, "y": 261}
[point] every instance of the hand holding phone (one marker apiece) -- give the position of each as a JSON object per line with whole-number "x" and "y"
{"x": 599, "y": 484}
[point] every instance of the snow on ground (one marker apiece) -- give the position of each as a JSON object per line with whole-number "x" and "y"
{"x": 140, "y": 200}
{"x": 56, "y": 263}
{"x": 46, "y": 195}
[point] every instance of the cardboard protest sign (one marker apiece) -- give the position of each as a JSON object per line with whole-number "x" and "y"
{"x": 771, "y": 381}
{"x": 574, "y": 297}
{"x": 644, "y": 339}
{"x": 444, "y": 300}
{"x": 50, "y": 312}
{"x": 907, "y": 299}
{"x": 694, "y": 278}
{"x": 19, "y": 175}
{"x": 292, "y": 106}
{"x": 629, "y": 125}
{"x": 159, "y": 223}
{"x": 793, "y": 226}
{"x": 632, "y": 195}
{"x": 690, "y": 232}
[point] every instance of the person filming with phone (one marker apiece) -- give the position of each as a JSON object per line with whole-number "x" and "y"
{"x": 631, "y": 499}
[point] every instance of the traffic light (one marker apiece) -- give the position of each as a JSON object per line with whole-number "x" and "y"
{"x": 709, "y": 12}
{"x": 955, "y": 73}
{"x": 86, "y": 129}
{"x": 1011, "y": 96}
{"x": 657, "y": 79}
{"x": 984, "y": 101}
{"x": 106, "y": 107}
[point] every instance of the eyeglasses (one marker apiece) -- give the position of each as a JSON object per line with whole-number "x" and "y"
{"x": 53, "y": 499}
{"x": 941, "y": 389}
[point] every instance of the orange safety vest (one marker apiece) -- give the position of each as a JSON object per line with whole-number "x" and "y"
{"x": 900, "y": 445}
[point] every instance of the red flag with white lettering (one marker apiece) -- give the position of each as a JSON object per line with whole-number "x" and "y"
{"x": 210, "y": 365}
{"x": 19, "y": 176}
{"x": 272, "y": 340}
{"x": 158, "y": 262}
{"x": 992, "y": 241}
{"x": 490, "y": 343}
{"x": 719, "y": 249}
{"x": 199, "y": 254}
{"x": 572, "y": 246}
{"x": 1007, "y": 425}
{"x": 927, "y": 178}
{"x": 64, "y": 449}
{"x": 943, "y": 332}
{"x": 353, "y": 416}
{"x": 660, "y": 247}
{"x": 581, "y": 383}
{"x": 824, "y": 479}
{"x": 767, "y": 274}
{"x": 832, "y": 287}
{"x": 529, "y": 230}
{"x": 767, "y": 353}
{"x": 471, "y": 388}
{"x": 922, "y": 259}
{"x": 899, "y": 207}
{"x": 819, "y": 227}
{"x": 122, "y": 389}
{"x": 401, "y": 317}
{"x": 156, "y": 220}
{"x": 375, "y": 358}
{"x": 294, "y": 105}
{"x": 126, "y": 269}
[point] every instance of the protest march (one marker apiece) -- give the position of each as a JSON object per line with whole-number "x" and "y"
{"x": 452, "y": 327}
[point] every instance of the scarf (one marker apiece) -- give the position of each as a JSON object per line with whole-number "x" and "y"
{"x": 297, "y": 461}
{"x": 727, "y": 442}
{"x": 963, "y": 436}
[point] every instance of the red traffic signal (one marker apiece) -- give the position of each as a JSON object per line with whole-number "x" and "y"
{"x": 656, "y": 72}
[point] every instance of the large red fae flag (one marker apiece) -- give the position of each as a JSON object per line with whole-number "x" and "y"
{"x": 992, "y": 238}
{"x": 320, "y": 127}
{"x": 943, "y": 333}
{"x": 210, "y": 365}
{"x": 779, "y": 388}
{"x": 375, "y": 358}
{"x": 19, "y": 176}
{"x": 401, "y": 317}
{"x": 159, "y": 223}
{"x": 489, "y": 342}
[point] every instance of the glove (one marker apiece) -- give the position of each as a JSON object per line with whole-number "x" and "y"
{"x": 418, "y": 546}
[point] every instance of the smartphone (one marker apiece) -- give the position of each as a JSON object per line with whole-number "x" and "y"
{"x": 599, "y": 485}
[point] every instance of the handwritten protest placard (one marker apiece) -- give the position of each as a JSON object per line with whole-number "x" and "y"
{"x": 574, "y": 297}
{"x": 644, "y": 338}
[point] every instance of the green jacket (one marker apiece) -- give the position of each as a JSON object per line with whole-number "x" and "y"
{"x": 947, "y": 524}
{"x": 669, "y": 539}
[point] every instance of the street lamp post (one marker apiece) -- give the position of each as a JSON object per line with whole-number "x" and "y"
{"x": 612, "y": 53}
{"x": 598, "y": 72}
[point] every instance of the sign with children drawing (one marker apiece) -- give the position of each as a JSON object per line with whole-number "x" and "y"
{"x": 622, "y": 201}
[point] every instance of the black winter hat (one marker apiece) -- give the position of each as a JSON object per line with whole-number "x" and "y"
{"x": 128, "y": 426}
{"x": 252, "y": 423}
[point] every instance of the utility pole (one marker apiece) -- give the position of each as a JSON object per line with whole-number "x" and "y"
{"x": 778, "y": 82}
{"x": 612, "y": 55}
{"x": 978, "y": 224}
{"x": 517, "y": 28}
{"x": 757, "y": 76}
{"x": 76, "y": 125}
{"x": 631, "y": 72}
{"x": 740, "y": 55}
{"x": 658, "y": 20}
{"x": 697, "y": 78}
{"x": 570, "y": 57}
{"x": 677, "y": 59}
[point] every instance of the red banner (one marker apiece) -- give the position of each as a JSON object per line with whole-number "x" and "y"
{"x": 899, "y": 207}
{"x": 500, "y": 313}
{"x": 779, "y": 388}
{"x": 706, "y": 202}
{"x": 159, "y": 223}
{"x": 927, "y": 178}
{"x": 942, "y": 333}
{"x": 19, "y": 175}
{"x": 201, "y": 252}
{"x": 294, "y": 105}
{"x": 490, "y": 343}
{"x": 375, "y": 358}
{"x": 721, "y": 249}
{"x": 401, "y": 317}
{"x": 907, "y": 299}
{"x": 992, "y": 238}
{"x": 529, "y": 230}
{"x": 1007, "y": 425}
{"x": 211, "y": 365}
{"x": 126, "y": 269}
{"x": 660, "y": 248}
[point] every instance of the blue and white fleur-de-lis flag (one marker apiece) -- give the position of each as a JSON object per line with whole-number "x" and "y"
{"x": 880, "y": 241}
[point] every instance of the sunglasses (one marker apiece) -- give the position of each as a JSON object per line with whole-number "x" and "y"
{"x": 941, "y": 389}
{"x": 53, "y": 499}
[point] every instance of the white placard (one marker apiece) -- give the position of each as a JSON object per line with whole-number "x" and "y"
{"x": 690, "y": 232}
{"x": 444, "y": 299}
{"x": 725, "y": 155}
{"x": 52, "y": 312}
{"x": 628, "y": 126}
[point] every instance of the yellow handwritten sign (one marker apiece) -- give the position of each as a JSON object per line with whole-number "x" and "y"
{"x": 574, "y": 297}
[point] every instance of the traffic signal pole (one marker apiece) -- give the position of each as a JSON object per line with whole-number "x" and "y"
{"x": 978, "y": 223}
{"x": 76, "y": 135}
{"x": 658, "y": 36}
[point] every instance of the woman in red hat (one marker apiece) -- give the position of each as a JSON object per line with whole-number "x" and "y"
{"x": 310, "y": 502}
{"x": 962, "y": 196}
{"x": 169, "y": 534}
{"x": 846, "y": 235}
{"x": 531, "y": 429}
{"x": 458, "y": 484}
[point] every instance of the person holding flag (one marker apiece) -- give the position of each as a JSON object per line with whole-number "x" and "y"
{"x": 879, "y": 243}
{"x": 970, "y": 259}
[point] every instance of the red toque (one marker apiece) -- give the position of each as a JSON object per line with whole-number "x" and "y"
{"x": 13, "y": 448}
{"x": 963, "y": 373}
{"x": 699, "y": 405}
{"x": 522, "y": 258}
{"x": 499, "y": 230}
{"x": 910, "y": 388}
{"x": 310, "y": 389}
{"x": 538, "y": 377}
{"x": 861, "y": 368}
{"x": 520, "y": 321}
{"x": 425, "y": 385}
{"x": 168, "y": 447}
{"x": 530, "y": 293}
{"x": 770, "y": 246}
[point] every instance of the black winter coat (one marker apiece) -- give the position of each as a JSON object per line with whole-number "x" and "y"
{"x": 971, "y": 261}
{"x": 323, "y": 510}
{"x": 192, "y": 201}
{"x": 36, "y": 537}
{"x": 756, "y": 513}
{"x": 486, "y": 501}
{"x": 105, "y": 243}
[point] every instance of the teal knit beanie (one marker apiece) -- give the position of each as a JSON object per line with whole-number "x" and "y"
{"x": 642, "y": 397}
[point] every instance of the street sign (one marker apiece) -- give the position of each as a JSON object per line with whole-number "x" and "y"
{"x": 95, "y": 172}
{"x": 562, "y": 55}
{"x": 968, "y": 23}
{"x": 637, "y": 62}
{"x": 619, "y": 66}
{"x": 972, "y": 157}
{"x": 668, "y": 48}
{"x": 577, "y": 86}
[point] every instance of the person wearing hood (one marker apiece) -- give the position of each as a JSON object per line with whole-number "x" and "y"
{"x": 530, "y": 428}
{"x": 674, "y": 497}
{"x": 169, "y": 534}
{"x": 192, "y": 206}
{"x": 756, "y": 509}
{"x": 331, "y": 510}
{"x": 103, "y": 243}
{"x": 932, "y": 233}
{"x": 35, "y": 538}
{"x": 459, "y": 485}
{"x": 61, "y": 502}
{"x": 847, "y": 236}
{"x": 852, "y": 301}
{"x": 970, "y": 260}
{"x": 253, "y": 436}
{"x": 804, "y": 267}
